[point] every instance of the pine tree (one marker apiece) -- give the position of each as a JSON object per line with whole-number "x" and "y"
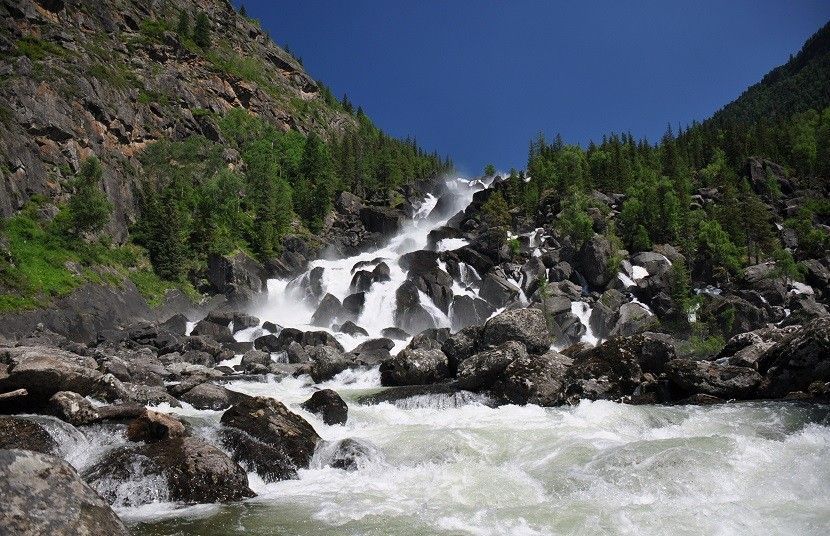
{"x": 201, "y": 31}
{"x": 242, "y": 11}
{"x": 88, "y": 210}
{"x": 183, "y": 27}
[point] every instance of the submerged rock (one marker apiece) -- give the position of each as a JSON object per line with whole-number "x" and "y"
{"x": 347, "y": 454}
{"x": 44, "y": 495}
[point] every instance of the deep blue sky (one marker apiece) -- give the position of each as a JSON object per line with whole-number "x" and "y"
{"x": 476, "y": 80}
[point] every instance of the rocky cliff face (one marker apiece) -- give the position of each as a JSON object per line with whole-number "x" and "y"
{"x": 108, "y": 78}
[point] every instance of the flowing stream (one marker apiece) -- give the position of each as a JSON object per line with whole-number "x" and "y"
{"x": 454, "y": 465}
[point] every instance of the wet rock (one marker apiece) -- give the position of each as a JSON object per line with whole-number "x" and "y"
{"x": 348, "y": 454}
{"x": 461, "y": 346}
{"x": 469, "y": 311}
{"x": 327, "y": 404}
{"x": 708, "y": 378}
{"x": 435, "y": 283}
{"x": 419, "y": 261}
{"x": 296, "y": 353}
{"x": 267, "y": 438}
{"x": 531, "y": 379}
{"x": 527, "y": 326}
{"x": 209, "y": 396}
{"x": 481, "y": 370}
{"x": 193, "y": 470}
{"x": 384, "y": 220}
{"x": 430, "y": 339}
{"x": 656, "y": 264}
{"x": 800, "y": 359}
{"x": 414, "y": 367}
{"x": 353, "y": 303}
{"x": 44, "y": 495}
{"x": 350, "y": 328}
{"x": 327, "y": 362}
{"x": 398, "y": 394}
{"x": 606, "y": 313}
{"x": 395, "y": 334}
{"x": 609, "y": 371}
{"x": 329, "y": 311}
{"x": 372, "y": 352}
{"x": 244, "y": 321}
{"x": 410, "y": 315}
{"x": 175, "y": 324}
{"x": 497, "y": 290}
{"x": 22, "y": 433}
{"x": 441, "y": 233}
{"x": 270, "y": 327}
{"x": 254, "y": 361}
{"x": 154, "y": 426}
{"x": 216, "y": 331}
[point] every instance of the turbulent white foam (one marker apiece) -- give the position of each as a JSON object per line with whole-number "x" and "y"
{"x": 583, "y": 312}
{"x": 638, "y": 272}
{"x": 449, "y": 244}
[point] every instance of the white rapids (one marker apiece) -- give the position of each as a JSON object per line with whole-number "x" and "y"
{"x": 454, "y": 465}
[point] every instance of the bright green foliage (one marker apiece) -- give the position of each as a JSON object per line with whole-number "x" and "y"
{"x": 495, "y": 211}
{"x": 812, "y": 241}
{"x": 785, "y": 266}
{"x": 715, "y": 249}
{"x": 201, "y": 31}
{"x": 680, "y": 291}
{"x": 515, "y": 246}
{"x": 489, "y": 170}
{"x": 88, "y": 210}
{"x": 574, "y": 220}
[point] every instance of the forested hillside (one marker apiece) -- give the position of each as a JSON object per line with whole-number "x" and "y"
{"x": 176, "y": 129}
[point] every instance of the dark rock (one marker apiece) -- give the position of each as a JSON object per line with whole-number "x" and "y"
{"x": 419, "y": 261}
{"x": 209, "y": 396}
{"x": 329, "y": 311}
{"x": 383, "y": 220}
{"x": 328, "y": 405}
{"x": 353, "y": 303}
{"x": 481, "y": 370}
{"x": 73, "y": 408}
{"x": 800, "y": 359}
{"x": 244, "y": 321}
{"x": 633, "y": 318}
{"x": 531, "y": 379}
{"x": 395, "y": 333}
{"x": 430, "y": 339}
{"x": 414, "y": 367}
{"x": 497, "y": 290}
{"x": 217, "y": 332}
{"x": 402, "y": 393}
{"x": 469, "y": 310}
{"x": 410, "y": 315}
{"x": 348, "y": 454}
{"x": 268, "y": 438}
{"x": 270, "y": 327}
{"x": 435, "y": 283}
{"x": 461, "y": 346}
{"x": 194, "y": 471}
{"x": 175, "y": 324}
{"x": 353, "y": 329}
{"x": 22, "y": 433}
{"x": 254, "y": 360}
{"x": 609, "y": 371}
{"x": 593, "y": 261}
{"x": 153, "y": 426}
{"x": 527, "y": 326}
{"x": 239, "y": 277}
{"x": 44, "y": 495}
{"x": 708, "y": 378}
{"x": 327, "y": 362}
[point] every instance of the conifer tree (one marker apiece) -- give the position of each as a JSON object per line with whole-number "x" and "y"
{"x": 201, "y": 31}
{"x": 183, "y": 27}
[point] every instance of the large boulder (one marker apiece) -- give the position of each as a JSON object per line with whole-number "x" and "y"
{"x": 610, "y": 371}
{"x": 481, "y": 370}
{"x": 593, "y": 261}
{"x": 154, "y": 426}
{"x": 328, "y": 405}
{"x": 266, "y": 437}
{"x": 498, "y": 290}
{"x": 713, "y": 379}
{"x": 633, "y": 318}
{"x": 797, "y": 360}
{"x": 469, "y": 310}
{"x": 527, "y": 326}
{"x": 208, "y": 395}
{"x": 435, "y": 283}
{"x": 532, "y": 379}
{"x": 193, "y": 471}
{"x": 237, "y": 276}
{"x": 22, "y": 433}
{"x": 410, "y": 314}
{"x": 44, "y": 495}
{"x": 384, "y": 220}
{"x": 327, "y": 362}
{"x": 329, "y": 311}
{"x": 415, "y": 366}
{"x": 461, "y": 345}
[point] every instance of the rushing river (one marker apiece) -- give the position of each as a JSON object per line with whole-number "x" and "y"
{"x": 455, "y": 465}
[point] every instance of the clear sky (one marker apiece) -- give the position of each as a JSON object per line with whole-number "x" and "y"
{"x": 477, "y": 79}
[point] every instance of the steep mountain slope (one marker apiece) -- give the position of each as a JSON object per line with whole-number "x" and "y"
{"x": 800, "y": 84}
{"x": 108, "y": 78}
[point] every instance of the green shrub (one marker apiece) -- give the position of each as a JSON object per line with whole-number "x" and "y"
{"x": 495, "y": 211}
{"x": 37, "y": 49}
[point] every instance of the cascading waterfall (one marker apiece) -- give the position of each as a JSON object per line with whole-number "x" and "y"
{"x": 453, "y": 464}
